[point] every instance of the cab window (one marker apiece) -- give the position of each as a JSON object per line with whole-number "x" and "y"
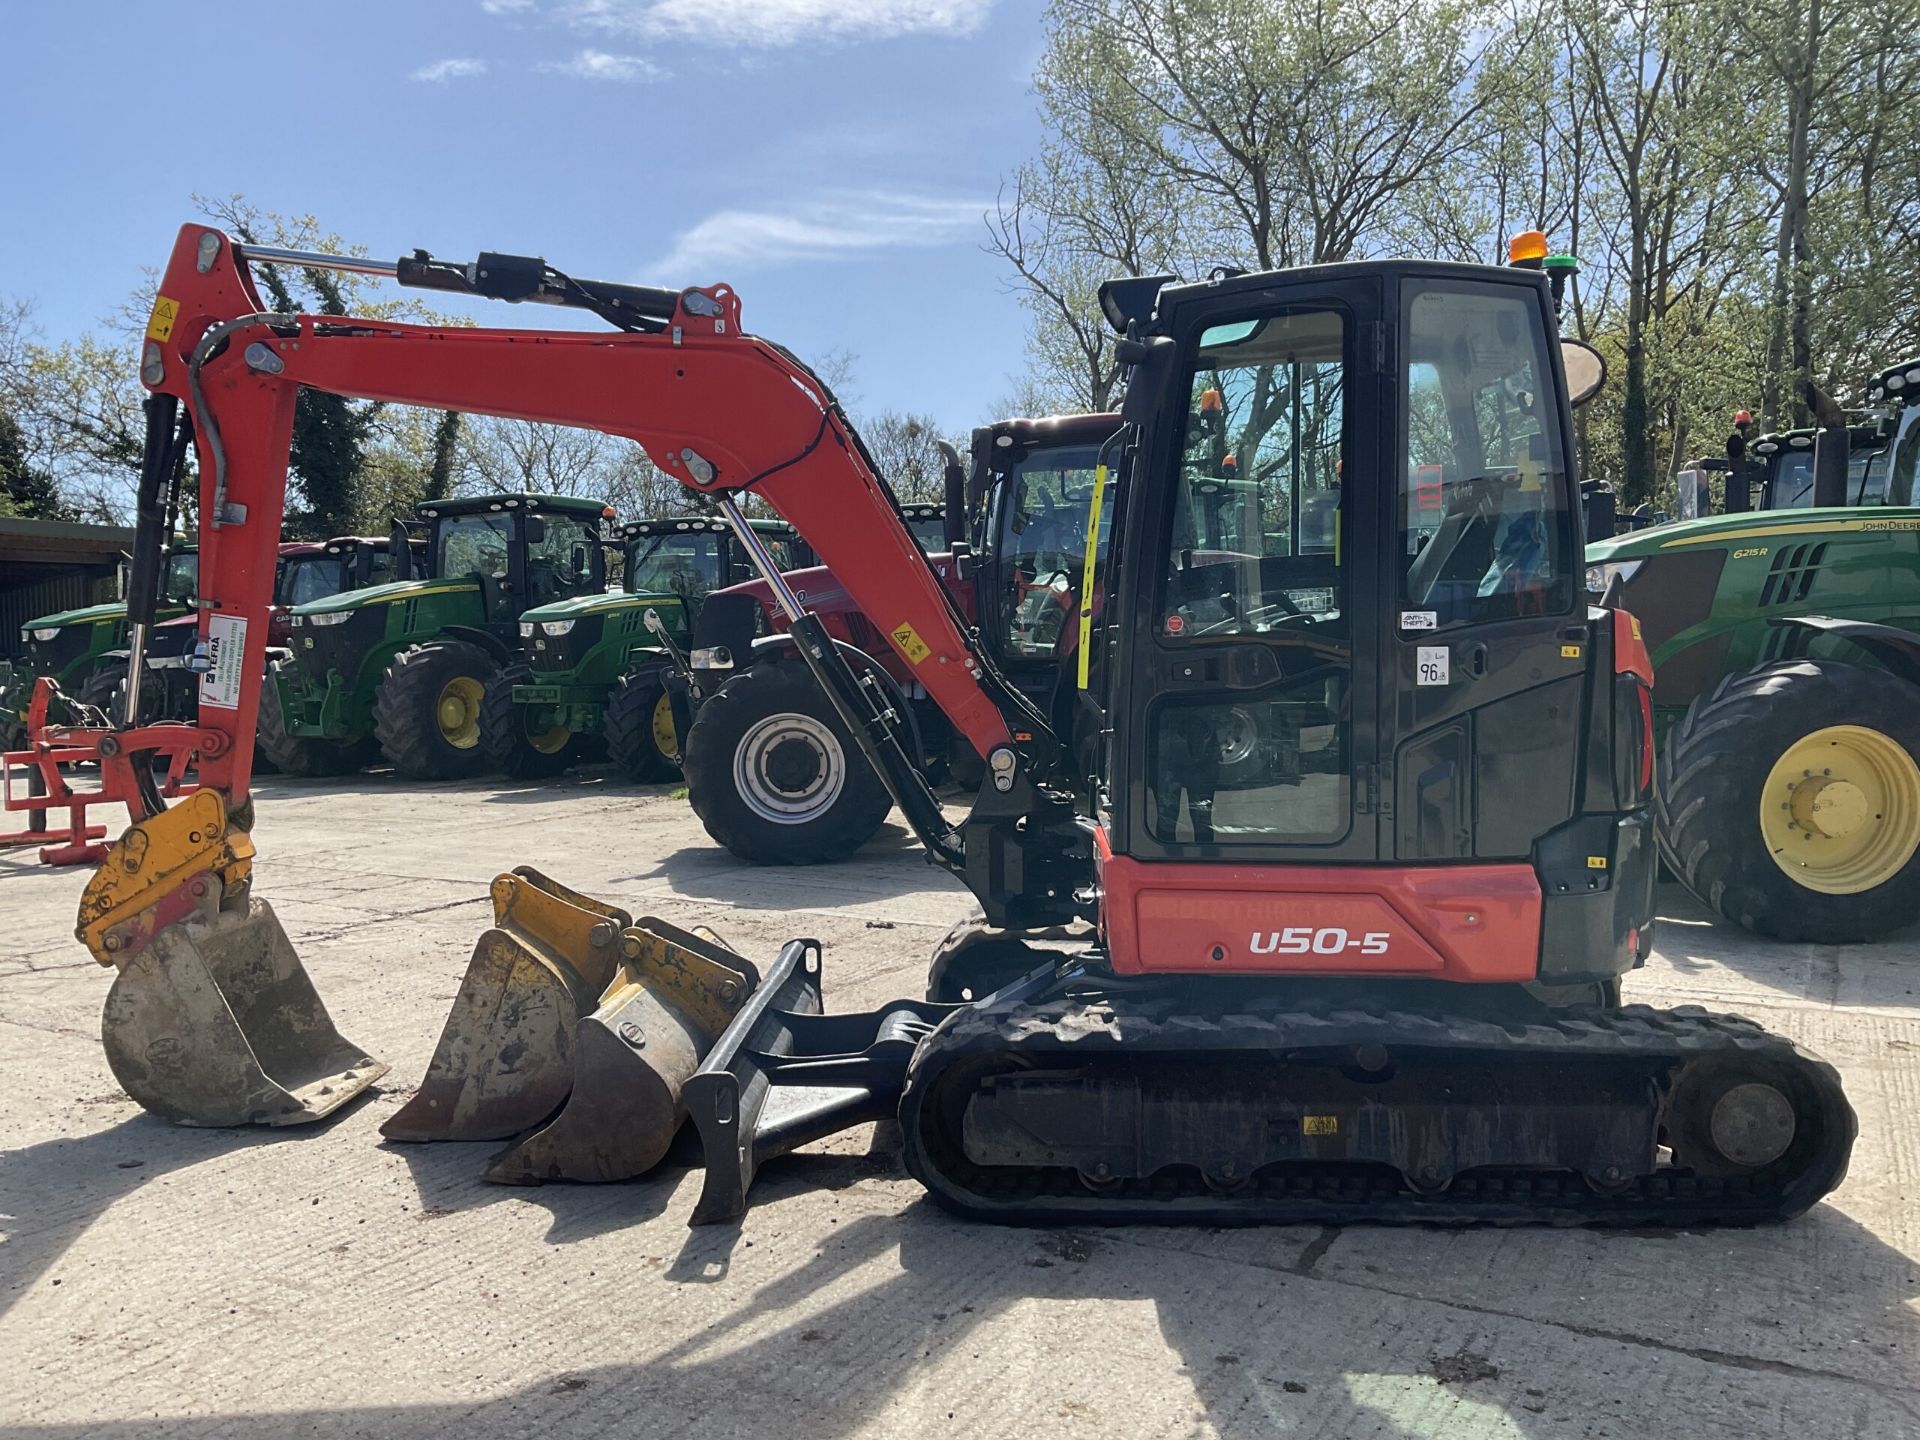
{"x": 1043, "y": 543}
{"x": 561, "y": 562}
{"x": 685, "y": 565}
{"x": 474, "y": 545}
{"x": 314, "y": 577}
{"x": 1255, "y": 554}
{"x": 182, "y": 581}
{"x": 1485, "y": 530}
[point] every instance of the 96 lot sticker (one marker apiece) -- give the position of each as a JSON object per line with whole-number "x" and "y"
{"x": 1432, "y": 665}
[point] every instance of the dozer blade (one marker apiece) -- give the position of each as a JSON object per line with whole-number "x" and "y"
{"x": 211, "y": 1019}
{"x": 505, "y": 1058}
{"x": 674, "y": 993}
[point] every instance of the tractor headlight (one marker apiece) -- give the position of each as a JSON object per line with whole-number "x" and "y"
{"x": 1599, "y": 577}
{"x": 556, "y": 627}
{"x": 51, "y": 632}
{"x": 711, "y": 657}
{"x": 526, "y": 629}
{"x": 331, "y": 617}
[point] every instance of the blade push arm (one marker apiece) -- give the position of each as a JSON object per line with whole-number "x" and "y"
{"x": 721, "y": 411}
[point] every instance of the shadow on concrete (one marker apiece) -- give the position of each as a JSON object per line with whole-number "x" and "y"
{"x": 1694, "y": 941}
{"x": 52, "y": 1191}
{"x": 845, "y": 1342}
{"x": 890, "y": 865}
{"x": 449, "y": 1178}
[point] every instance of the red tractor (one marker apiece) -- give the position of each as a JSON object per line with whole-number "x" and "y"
{"x": 771, "y": 771}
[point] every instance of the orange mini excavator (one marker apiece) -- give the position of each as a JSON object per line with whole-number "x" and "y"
{"x": 1366, "y": 856}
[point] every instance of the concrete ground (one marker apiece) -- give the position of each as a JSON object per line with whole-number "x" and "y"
{"x": 157, "y": 1281}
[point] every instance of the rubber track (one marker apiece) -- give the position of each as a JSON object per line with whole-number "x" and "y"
{"x": 1069, "y": 1030}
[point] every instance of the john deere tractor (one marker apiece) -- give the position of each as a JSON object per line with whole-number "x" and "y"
{"x": 1786, "y": 655}
{"x": 400, "y": 670}
{"x": 85, "y": 650}
{"x": 593, "y": 664}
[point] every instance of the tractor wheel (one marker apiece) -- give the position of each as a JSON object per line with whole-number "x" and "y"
{"x": 302, "y": 755}
{"x": 638, "y": 725}
{"x": 1789, "y": 801}
{"x": 517, "y": 738}
{"x": 774, "y": 776}
{"x": 106, "y": 690}
{"x": 426, "y": 711}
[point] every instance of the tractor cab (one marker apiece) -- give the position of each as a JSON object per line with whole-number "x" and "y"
{"x": 1786, "y": 458}
{"x": 927, "y": 524}
{"x": 85, "y": 650}
{"x": 1898, "y": 389}
{"x": 594, "y": 661}
{"x": 399, "y": 668}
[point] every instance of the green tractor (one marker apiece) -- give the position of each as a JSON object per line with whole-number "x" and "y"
{"x": 1786, "y": 656}
{"x": 400, "y": 670}
{"x": 594, "y": 664}
{"x": 85, "y": 650}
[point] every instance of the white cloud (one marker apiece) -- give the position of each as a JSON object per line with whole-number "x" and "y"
{"x": 441, "y": 71}
{"x": 599, "y": 65}
{"x": 845, "y": 226}
{"x": 507, "y": 7}
{"x": 780, "y": 22}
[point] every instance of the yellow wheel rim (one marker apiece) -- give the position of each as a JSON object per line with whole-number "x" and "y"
{"x": 1840, "y": 811}
{"x": 458, "y": 712}
{"x": 550, "y": 741}
{"x": 664, "y": 740}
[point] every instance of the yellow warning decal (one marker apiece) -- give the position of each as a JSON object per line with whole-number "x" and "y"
{"x": 1569, "y": 652}
{"x": 1634, "y": 621}
{"x": 160, "y": 322}
{"x": 1319, "y": 1124}
{"x": 1086, "y": 573}
{"x": 1596, "y": 862}
{"x": 910, "y": 643}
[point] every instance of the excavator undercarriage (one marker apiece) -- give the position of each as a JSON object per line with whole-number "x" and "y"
{"x": 1364, "y": 859}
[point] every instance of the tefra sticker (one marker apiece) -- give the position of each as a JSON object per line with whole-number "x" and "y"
{"x": 1433, "y": 666}
{"x": 226, "y": 652}
{"x": 1419, "y": 620}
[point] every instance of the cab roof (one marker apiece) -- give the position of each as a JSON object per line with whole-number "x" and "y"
{"x": 481, "y": 504}
{"x": 1898, "y": 384}
{"x": 699, "y": 524}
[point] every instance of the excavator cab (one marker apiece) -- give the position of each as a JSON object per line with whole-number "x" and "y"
{"x": 1357, "y": 645}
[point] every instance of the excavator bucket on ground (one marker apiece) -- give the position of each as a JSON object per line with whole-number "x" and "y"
{"x": 674, "y": 993}
{"x": 211, "y": 1019}
{"x": 505, "y": 1058}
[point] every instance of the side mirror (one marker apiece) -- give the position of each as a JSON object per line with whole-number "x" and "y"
{"x": 580, "y": 558}
{"x": 1149, "y": 364}
{"x": 954, "y": 493}
{"x": 401, "y": 549}
{"x": 1586, "y": 370}
{"x": 536, "y": 529}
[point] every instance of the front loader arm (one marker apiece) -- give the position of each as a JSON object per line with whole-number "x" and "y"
{"x": 721, "y": 411}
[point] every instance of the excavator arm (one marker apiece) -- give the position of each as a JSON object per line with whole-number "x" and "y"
{"x": 723, "y": 412}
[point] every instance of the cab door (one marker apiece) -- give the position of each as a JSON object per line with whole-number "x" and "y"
{"x": 1486, "y": 636}
{"x": 1247, "y": 700}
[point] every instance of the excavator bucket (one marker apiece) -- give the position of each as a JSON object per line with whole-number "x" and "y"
{"x": 505, "y": 1059}
{"x": 673, "y": 995}
{"x": 211, "y": 1019}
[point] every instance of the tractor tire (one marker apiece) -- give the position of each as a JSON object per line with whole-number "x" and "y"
{"x": 637, "y": 723}
{"x": 1743, "y": 788}
{"x": 773, "y": 774}
{"x": 300, "y": 755}
{"x": 105, "y": 690}
{"x": 426, "y": 711}
{"x": 513, "y": 749}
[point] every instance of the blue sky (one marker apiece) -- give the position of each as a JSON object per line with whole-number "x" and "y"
{"x": 828, "y": 158}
